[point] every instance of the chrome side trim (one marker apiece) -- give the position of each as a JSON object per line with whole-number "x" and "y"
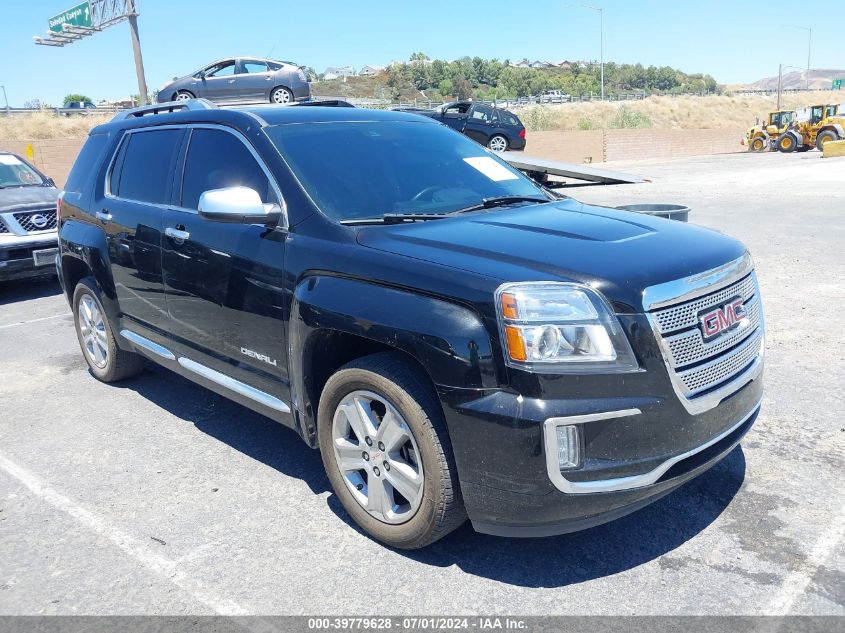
{"x": 147, "y": 344}
{"x": 681, "y": 290}
{"x": 234, "y": 385}
{"x": 620, "y": 483}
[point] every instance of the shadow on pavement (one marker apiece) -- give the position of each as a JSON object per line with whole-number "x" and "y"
{"x": 545, "y": 562}
{"x": 27, "y": 289}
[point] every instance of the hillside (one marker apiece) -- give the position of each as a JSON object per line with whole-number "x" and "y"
{"x": 820, "y": 79}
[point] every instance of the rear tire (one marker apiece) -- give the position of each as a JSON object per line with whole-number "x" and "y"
{"x": 281, "y": 95}
{"x": 825, "y": 137}
{"x": 786, "y": 143}
{"x": 393, "y": 394}
{"x": 498, "y": 143}
{"x": 105, "y": 359}
{"x": 183, "y": 95}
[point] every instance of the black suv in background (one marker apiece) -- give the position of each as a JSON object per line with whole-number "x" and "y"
{"x": 496, "y": 128}
{"x": 456, "y": 342}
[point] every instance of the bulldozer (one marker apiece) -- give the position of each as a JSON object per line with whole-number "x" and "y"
{"x": 763, "y": 136}
{"x": 821, "y": 124}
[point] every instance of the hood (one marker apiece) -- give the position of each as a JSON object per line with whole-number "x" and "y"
{"x": 617, "y": 252}
{"x": 23, "y": 198}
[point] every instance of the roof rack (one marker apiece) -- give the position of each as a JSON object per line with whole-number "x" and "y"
{"x": 168, "y": 106}
{"x": 332, "y": 103}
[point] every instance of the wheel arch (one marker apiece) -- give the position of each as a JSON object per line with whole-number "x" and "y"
{"x": 84, "y": 253}
{"x": 335, "y": 320}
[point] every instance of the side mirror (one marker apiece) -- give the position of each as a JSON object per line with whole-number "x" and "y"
{"x": 238, "y": 205}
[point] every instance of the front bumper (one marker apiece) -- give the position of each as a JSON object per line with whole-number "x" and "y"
{"x": 636, "y": 448}
{"x": 24, "y": 257}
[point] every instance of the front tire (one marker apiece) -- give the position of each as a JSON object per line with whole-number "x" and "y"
{"x": 786, "y": 143}
{"x": 825, "y": 137}
{"x": 498, "y": 143}
{"x": 758, "y": 144}
{"x": 387, "y": 453}
{"x": 281, "y": 95}
{"x": 105, "y": 359}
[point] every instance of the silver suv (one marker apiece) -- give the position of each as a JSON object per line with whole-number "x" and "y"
{"x": 28, "y": 242}
{"x": 241, "y": 80}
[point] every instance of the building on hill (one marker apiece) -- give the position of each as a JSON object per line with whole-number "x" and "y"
{"x": 333, "y": 72}
{"x": 368, "y": 71}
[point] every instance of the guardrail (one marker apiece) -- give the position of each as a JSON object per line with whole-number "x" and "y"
{"x": 64, "y": 111}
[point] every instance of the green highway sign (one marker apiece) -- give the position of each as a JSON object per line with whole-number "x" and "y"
{"x": 80, "y": 15}
{"x": 837, "y": 84}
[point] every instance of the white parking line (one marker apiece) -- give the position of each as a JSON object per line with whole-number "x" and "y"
{"x": 136, "y": 548}
{"x": 797, "y": 581}
{"x": 55, "y": 316}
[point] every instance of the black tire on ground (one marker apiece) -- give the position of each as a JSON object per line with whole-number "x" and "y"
{"x": 401, "y": 383}
{"x": 120, "y": 364}
{"x": 758, "y": 144}
{"x": 786, "y": 143}
{"x": 824, "y": 137}
{"x": 281, "y": 95}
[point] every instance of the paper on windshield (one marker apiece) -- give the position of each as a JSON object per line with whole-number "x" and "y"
{"x": 490, "y": 168}
{"x": 6, "y": 159}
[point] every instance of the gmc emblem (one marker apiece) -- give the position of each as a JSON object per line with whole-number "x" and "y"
{"x": 722, "y": 319}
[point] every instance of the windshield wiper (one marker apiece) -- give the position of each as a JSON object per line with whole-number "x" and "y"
{"x": 396, "y": 218}
{"x": 500, "y": 201}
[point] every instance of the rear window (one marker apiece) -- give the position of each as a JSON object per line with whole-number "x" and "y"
{"x": 143, "y": 171}
{"x": 86, "y": 162}
{"x": 507, "y": 118}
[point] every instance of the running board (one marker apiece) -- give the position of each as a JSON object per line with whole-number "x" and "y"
{"x": 206, "y": 372}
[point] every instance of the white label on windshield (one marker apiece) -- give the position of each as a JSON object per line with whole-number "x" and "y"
{"x": 5, "y": 159}
{"x": 490, "y": 168}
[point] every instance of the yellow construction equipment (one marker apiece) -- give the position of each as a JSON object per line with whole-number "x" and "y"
{"x": 763, "y": 136}
{"x": 820, "y": 125}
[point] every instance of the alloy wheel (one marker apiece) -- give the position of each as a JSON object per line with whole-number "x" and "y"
{"x": 498, "y": 144}
{"x": 182, "y": 96}
{"x": 378, "y": 457}
{"x": 280, "y": 95}
{"x": 93, "y": 329}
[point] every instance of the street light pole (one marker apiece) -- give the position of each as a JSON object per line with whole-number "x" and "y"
{"x": 601, "y": 41}
{"x": 132, "y": 15}
{"x": 5, "y": 98}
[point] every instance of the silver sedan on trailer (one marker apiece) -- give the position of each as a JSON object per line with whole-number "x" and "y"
{"x": 241, "y": 80}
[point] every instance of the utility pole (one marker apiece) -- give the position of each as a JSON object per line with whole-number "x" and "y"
{"x": 809, "y": 48}
{"x": 132, "y": 15}
{"x": 5, "y": 98}
{"x": 780, "y": 83}
{"x": 601, "y": 42}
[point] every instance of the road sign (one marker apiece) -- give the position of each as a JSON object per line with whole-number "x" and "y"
{"x": 837, "y": 84}
{"x": 80, "y": 15}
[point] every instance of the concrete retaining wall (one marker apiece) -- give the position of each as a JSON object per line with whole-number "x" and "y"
{"x": 55, "y": 156}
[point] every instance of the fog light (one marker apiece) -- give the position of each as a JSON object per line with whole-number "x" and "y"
{"x": 568, "y": 447}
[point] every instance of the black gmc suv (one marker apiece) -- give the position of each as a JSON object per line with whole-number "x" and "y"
{"x": 455, "y": 341}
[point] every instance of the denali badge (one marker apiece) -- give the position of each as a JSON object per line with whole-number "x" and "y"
{"x": 722, "y": 319}
{"x": 263, "y": 358}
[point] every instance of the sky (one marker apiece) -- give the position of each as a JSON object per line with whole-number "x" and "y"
{"x": 735, "y": 41}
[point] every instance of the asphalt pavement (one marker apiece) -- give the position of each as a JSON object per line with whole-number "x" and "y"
{"x": 156, "y": 496}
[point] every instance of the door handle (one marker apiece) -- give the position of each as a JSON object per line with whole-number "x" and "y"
{"x": 103, "y": 216}
{"x": 231, "y": 81}
{"x": 177, "y": 235}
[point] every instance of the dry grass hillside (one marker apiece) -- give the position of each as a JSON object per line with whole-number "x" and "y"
{"x": 684, "y": 112}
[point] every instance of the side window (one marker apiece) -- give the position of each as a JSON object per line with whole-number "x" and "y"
{"x": 85, "y": 162}
{"x": 222, "y": 70}
{"x": 481, "y": 113}
{"x": 147, "y": 166}
{"x": 218, "y": 159}
{"x": 252, "y": 67}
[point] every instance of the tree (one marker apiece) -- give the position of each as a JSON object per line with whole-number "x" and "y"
{"x": 32, "y": 103}
{"x": 418, "y": 57}
{"x": 76, "y": 97}
{"x": 462, "y": 87}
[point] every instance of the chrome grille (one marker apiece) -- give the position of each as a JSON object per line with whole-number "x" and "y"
{"x": 690, "y": 347}
{"x": 25, "y": 220}
{"x": 698, "y": 367}
{"x": 686, "y": 315}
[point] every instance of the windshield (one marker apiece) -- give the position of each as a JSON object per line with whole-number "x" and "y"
{"x": 16, "y": 173}
{"x": 359, "y": 170}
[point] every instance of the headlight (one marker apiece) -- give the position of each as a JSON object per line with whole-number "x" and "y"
{"x": 564, "y": 328}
